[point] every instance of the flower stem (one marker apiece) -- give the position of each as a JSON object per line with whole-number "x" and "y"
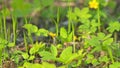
{"x": 98, "y": 14}
{"x": 5, "y": 31}
{"x": 115, "y": 37}
{"x": 73, "y": 31}
{"x": 69, "y": 21}
{"x": 25, "y": 41}
{"x": 58, "y": 19}
{"x": 14, "y": 29}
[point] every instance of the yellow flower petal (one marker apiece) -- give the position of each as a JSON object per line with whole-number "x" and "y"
{"x": 52, "y": 34}
{"x": 74, "y": 38}
{"x": 93, "y": 4}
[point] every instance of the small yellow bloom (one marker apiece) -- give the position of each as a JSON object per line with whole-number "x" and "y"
{"x": 74, "y": 38}
{"x": 52, "y": 34}
{"x": 93, "y": 4}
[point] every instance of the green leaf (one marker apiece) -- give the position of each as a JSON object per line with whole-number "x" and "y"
{"x": 36, "y": 47}
{"x": 21, "y": 8}
{"x": 11, "y": 45}
{"x": 89, "y": 58}
{"x": 108, "y": 36}
{"x": 101, "y": 35}
{"x": 48, "y": 65}
{"x": 36, "y": 4}
{"x": 115, "y": 65}
{"x": 30, "y": 65}
{"x": 31, "y": 57}
{"x": 93, "y": 42}
{"x": 104, "y": 59}
{"x": 114, "y": 26}
{"x": 108, "y": 41}
{"x": 25, "y": 55}
{"x": 95, "y": 62}
{"x": 53, "y": 50}
{"x": 112, "y": 4}
{"x": 47, "y": 2}
{"x": 3, "y": 41}
{"x": 36, "y": 65}
{"x": 47, "y": 55}
{"x": 66, "y": 54}
{"x": 42, "y": 32}
{"x": 83, "y": 13}
{"x": 31, "y": 28}
{"x": 62, "y": 66}
{"x": 63, "y": 32}
{"x": 70, "y": 37}
{"x": 80, "y": 52}
{"x": 72, "y": 57}
{"x": 5, "y": 12}
{"x": 110, "y": 52}
{"x": 71, "y": 16}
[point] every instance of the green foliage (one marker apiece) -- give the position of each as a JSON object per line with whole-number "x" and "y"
{"x": 46, "y": 55}
{"x": 46, "y": 2}
{"x": 67, "y": 56}
{"x": 91, "y": 59}
{"x": 36, "y": 47}
{"x": 5, "y": 12}
{"x": 21, "y": 8}
{"x": 115, "y": 65}
{"x": 82, "y": 14}
{"x": 65, "y": 36}
{"x": 114, "y": 26}
{"x": 53, "y": 50}
{"x": 36, "y": 65}
{"x": 63, "y": 32}
{"x": 42, "y": 32}
{"x": 34, "y": 29}
{"x": 11, "y": 45}
{"x": 30, "y": 28}
{"x": 88, "y": 24}
{"x": 104, "y": 59}
{"x": 112, "y": 4}
{"x": 25, "y": 55}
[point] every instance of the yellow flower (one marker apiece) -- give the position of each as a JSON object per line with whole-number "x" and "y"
{"x": 52, "y": 34}
{"x": 93, "y": 4}
{"x": 74, "y": 38}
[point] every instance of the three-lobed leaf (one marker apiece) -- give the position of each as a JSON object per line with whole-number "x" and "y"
{"x": 66, "y": 54}
{"x": 63, "y": 32}
{"x": 53, "y": 50}
{"x": 31, "y": 28}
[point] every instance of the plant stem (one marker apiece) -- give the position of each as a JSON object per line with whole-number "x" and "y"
{"x": 98, "y": 14}
{"x": 5, "y": 31}
{"x": 110, "y": 54}
{"x": 73, "y": 31}
{"x": 25, "y": 43}
{"x": 9, "y": 33}
{"x": 14, "y": 29}
{"x": 26, "y": 20}
{"x": 69, "y": 23}
{"x": 58, "y": 19}
{"x": 30, "y": 37}
{"x": 115, "y": 37}
{"x": 1, "y": 57}
{"x": 1, "y": 27}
